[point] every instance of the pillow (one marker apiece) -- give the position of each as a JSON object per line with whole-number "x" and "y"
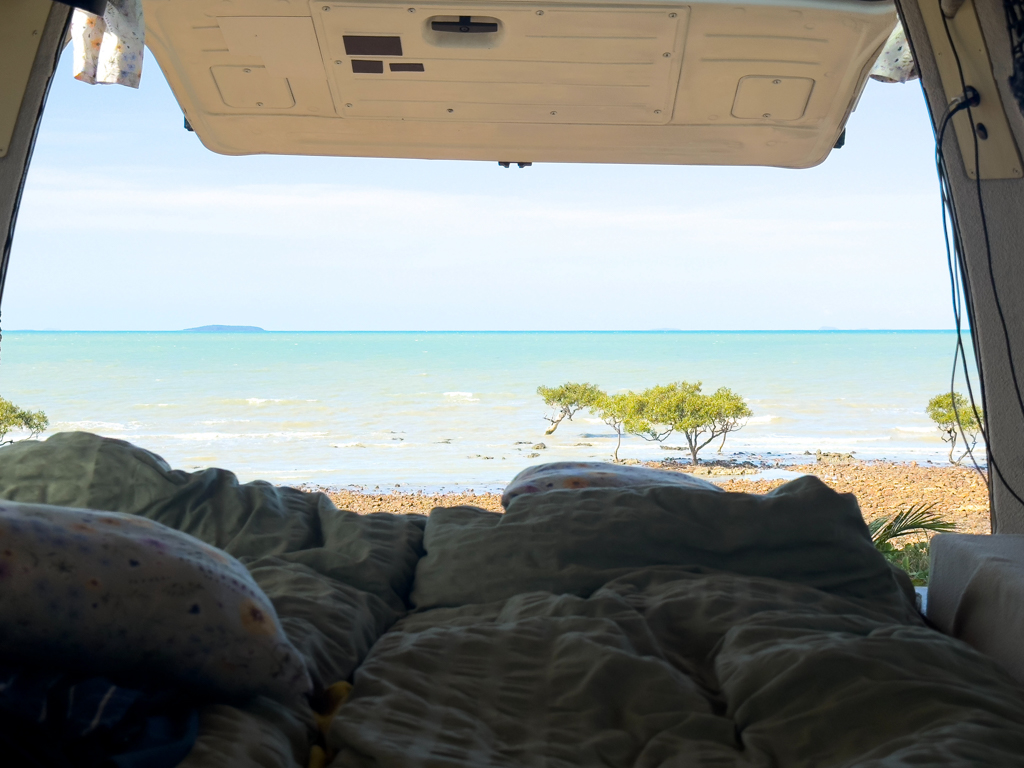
{"x": 375, "y": 553}
{"x": 115, "y": 594}
{"x": 574, "y": 542}
{"x": 594, "y": 474}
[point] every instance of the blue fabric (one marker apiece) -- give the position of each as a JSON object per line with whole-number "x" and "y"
{"x": 163, "y": 743}
{"x": 96, "y": 703}
{"x": 49, "y": 718}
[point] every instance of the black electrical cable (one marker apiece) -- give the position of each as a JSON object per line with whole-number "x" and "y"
{"x": 957, "y": 289}
{"x": 956, "y": 286}
{"x": 961, "y": 260}
{"x": 966, "y": 102}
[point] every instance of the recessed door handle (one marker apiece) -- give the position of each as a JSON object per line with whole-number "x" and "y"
{"x": 464, "y": 25}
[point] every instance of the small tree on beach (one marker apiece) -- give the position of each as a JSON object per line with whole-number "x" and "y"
{"x": 651, "y": 416}
{"x": 13, "y": 417}
{"x": 700, "y": 418}
{"x": 567, "y": 400}
{"x": 729, "y": 413}
{"x": 956, "y": 418}
{"x": 655, "y": 413}
{"x": 618, "y": 412}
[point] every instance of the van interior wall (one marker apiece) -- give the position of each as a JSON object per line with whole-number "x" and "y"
{"x": 991, "y": 220}
{"x": 32, "y": 97}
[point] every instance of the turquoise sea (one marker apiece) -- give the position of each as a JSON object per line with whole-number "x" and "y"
{"x": 438, "y": 409}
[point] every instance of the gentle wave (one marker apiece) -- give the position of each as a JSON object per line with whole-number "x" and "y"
{"x": 93, "y": 426}
{"x": 287, "y": 436}
{"x": 463, "y": 396}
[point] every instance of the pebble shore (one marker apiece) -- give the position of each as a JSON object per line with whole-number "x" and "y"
{"x": 882, "y": 488}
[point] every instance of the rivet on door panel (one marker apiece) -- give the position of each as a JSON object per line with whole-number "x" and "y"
{"x": 766, "y": 97}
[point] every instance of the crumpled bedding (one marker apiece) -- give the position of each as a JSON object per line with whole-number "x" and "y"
{"x": 670, "y": 627}
{"x": 527, "y": 650}
{"x": 569, "y": 541}
{"x": 671, "y": 666}
{"x": 337, "y": 580}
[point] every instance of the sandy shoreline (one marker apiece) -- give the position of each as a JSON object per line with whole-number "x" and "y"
{"x": 882, "y": 488}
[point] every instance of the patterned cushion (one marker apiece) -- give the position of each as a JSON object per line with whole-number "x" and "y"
{"x": 108, "y": 593}
{"x": 595, "y": 474}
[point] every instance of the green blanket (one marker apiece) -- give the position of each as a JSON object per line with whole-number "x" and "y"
{"x": 583, "y": 628}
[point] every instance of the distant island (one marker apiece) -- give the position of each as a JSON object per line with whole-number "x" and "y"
{"x": 226, "y": 329}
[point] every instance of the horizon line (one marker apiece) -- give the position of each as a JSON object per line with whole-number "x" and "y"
{"x": 455, "y": 330}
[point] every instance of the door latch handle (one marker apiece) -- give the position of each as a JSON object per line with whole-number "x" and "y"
{"x": 464, "y": 25}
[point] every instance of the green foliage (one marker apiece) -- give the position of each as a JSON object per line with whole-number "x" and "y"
{"x": 918, "y": 518}
{"x": 655, "y": 413}
{"x": 13, "y": 417}
{"x": 619, "y": 412}
{"x": 956, "y": 418}
{"x": 914, "y": 559}
{"x": 682, "y": 407}
{"x": 656, "y": 410}
{"x": 568, "y": 400}
{"x": 911, "y": 557}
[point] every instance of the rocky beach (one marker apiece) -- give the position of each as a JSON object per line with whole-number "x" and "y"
{"x": 882, "y": 488}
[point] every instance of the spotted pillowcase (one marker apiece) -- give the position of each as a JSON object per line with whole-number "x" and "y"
{"x": 110, "y": 594}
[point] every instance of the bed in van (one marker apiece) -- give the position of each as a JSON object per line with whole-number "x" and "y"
{"x": 608, "y": 616}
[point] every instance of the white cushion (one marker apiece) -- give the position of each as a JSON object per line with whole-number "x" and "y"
{"x": 976, "y": 593}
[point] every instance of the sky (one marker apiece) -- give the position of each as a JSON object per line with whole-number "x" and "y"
{"x": 129, "y": 223}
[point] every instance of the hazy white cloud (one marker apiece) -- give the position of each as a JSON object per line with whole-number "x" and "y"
{"x": 314, "y": 211}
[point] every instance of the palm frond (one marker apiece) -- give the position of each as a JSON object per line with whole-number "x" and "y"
{"x": 918, "y": 518}
{"x": 876, "y": 525}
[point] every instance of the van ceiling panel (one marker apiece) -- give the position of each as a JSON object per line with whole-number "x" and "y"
{"x": 748, "y": 83}
{"x": 568, "y": 65}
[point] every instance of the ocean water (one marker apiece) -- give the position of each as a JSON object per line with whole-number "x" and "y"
{"x": 460, "y": 410}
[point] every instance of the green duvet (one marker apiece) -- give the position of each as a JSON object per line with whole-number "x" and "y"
{"x": 602, "y": 627}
